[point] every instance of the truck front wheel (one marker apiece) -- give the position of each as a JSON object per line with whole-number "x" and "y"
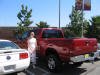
{"x": 53, "y": 63}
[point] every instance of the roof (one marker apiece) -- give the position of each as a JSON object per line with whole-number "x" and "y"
{"x": 52, "y": 28}
{"x": 4, "y": 40}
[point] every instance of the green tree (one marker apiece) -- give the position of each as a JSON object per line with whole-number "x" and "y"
{"x": 74, "y": 27}
{"x": 42, "y": 25}
{"x": 68, "y": 33}
{"x": 93, "y": 30}
{"x": 76, "y": 21}
{"x": 24, "y": 16}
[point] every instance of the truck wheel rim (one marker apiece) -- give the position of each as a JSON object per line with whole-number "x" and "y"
{"x": 51, "y": 63}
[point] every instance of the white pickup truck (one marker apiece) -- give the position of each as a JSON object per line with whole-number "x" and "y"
{"x": 12, "y": 58}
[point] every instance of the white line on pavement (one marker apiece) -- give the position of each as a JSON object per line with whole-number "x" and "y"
{"x": 46, "y": 72}
{"x": 31, "y": 73}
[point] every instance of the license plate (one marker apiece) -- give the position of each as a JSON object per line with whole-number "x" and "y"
{"x": 10, "y": 67}
{"x": 86, "y": 56}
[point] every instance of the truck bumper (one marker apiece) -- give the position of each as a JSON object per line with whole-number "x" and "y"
{"x": 85, "y": 57}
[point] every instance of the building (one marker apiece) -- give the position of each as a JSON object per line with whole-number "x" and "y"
{"x": 7, "y": 33}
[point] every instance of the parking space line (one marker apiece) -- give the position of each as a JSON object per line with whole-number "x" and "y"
{"x": 46, "y": 72}
{"x": 31, "y": 73}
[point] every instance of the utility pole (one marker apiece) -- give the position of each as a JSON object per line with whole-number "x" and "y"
{"x": 59, "y": 12}
{"x": 82, "y": 5}
{"x": 82, "y": 20}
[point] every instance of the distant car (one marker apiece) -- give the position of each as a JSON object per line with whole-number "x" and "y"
{"x": 99, "y": 48}
{"x": 97, "y": 54}
{"x": 12, "y": 58}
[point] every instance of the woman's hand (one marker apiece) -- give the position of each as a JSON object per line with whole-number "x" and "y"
{"x": 33, "y": 51}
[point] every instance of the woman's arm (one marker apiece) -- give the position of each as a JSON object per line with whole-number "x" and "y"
{"x": 34, "y": 51}
{"x": 35, "y": 44}
{"x": 29, "y": 45}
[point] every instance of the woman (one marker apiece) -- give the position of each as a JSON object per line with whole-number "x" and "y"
{"x": 32, "y": 44}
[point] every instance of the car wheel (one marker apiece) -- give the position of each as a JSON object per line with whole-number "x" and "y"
{"x": 53, "y": 63}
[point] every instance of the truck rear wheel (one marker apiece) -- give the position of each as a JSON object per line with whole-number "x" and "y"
{"x": 53, "y": 63}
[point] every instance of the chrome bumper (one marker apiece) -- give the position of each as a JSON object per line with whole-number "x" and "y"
{"x": 82, "y": 58}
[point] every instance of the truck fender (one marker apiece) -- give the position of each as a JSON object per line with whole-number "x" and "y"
{"x": 51, "y": 51}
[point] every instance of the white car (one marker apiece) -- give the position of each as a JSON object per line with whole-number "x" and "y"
{"x": 12, "y": 58}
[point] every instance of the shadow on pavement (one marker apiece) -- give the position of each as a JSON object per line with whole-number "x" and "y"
{"x": 96, "y": 60}
{"x": 41, "y": 69}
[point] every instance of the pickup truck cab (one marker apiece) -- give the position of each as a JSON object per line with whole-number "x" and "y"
{"x": 57, "y": 49}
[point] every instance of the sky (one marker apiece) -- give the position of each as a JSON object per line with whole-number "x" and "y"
{"x": 43, "y": 10}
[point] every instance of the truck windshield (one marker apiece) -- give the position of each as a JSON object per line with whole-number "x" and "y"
{"x": 52, "y": 34}
{"x": 5, "y": 45}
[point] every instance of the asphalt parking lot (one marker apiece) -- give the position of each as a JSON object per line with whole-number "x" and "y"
{"x": 86, "y": 69}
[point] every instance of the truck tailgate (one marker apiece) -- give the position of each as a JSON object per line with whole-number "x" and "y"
{"x": 84, "y": 46}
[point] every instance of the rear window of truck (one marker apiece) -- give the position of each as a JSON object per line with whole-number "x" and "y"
{"x": 52, "y": 34}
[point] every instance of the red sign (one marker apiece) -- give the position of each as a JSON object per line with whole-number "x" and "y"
{"x": 78, "y": 4}
{"x": 87, "y": 4}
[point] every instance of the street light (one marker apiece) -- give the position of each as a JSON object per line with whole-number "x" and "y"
{"x": 59, "y": 12}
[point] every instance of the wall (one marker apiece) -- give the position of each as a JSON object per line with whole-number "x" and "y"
{"x": 7, "y": 34}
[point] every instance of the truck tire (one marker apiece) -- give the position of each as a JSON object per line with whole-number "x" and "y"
{"x": 53, "y": 63}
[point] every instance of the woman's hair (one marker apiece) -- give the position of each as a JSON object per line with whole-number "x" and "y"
{"x": 32, "y": 33}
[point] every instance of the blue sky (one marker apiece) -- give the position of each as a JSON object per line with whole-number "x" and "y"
{"x": 43, "y": 10}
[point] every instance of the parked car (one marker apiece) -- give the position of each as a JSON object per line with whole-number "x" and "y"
{"x": 57, "y": 49}
{"x": 98, "y": 51}
{"x": 13, "y": 59}
{"x": 99, "y": 46}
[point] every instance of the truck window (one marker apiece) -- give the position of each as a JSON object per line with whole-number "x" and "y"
{"x": 60, "y": 34}
{"x": 52, "y": 34}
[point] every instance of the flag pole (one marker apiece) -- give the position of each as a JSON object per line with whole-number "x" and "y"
{"x": 59, "y": 12}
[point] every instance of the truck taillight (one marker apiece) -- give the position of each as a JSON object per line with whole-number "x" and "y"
{"x": 23, "y": 55}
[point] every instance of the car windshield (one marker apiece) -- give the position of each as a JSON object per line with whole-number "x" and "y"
{"x": 6, "y": 45}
